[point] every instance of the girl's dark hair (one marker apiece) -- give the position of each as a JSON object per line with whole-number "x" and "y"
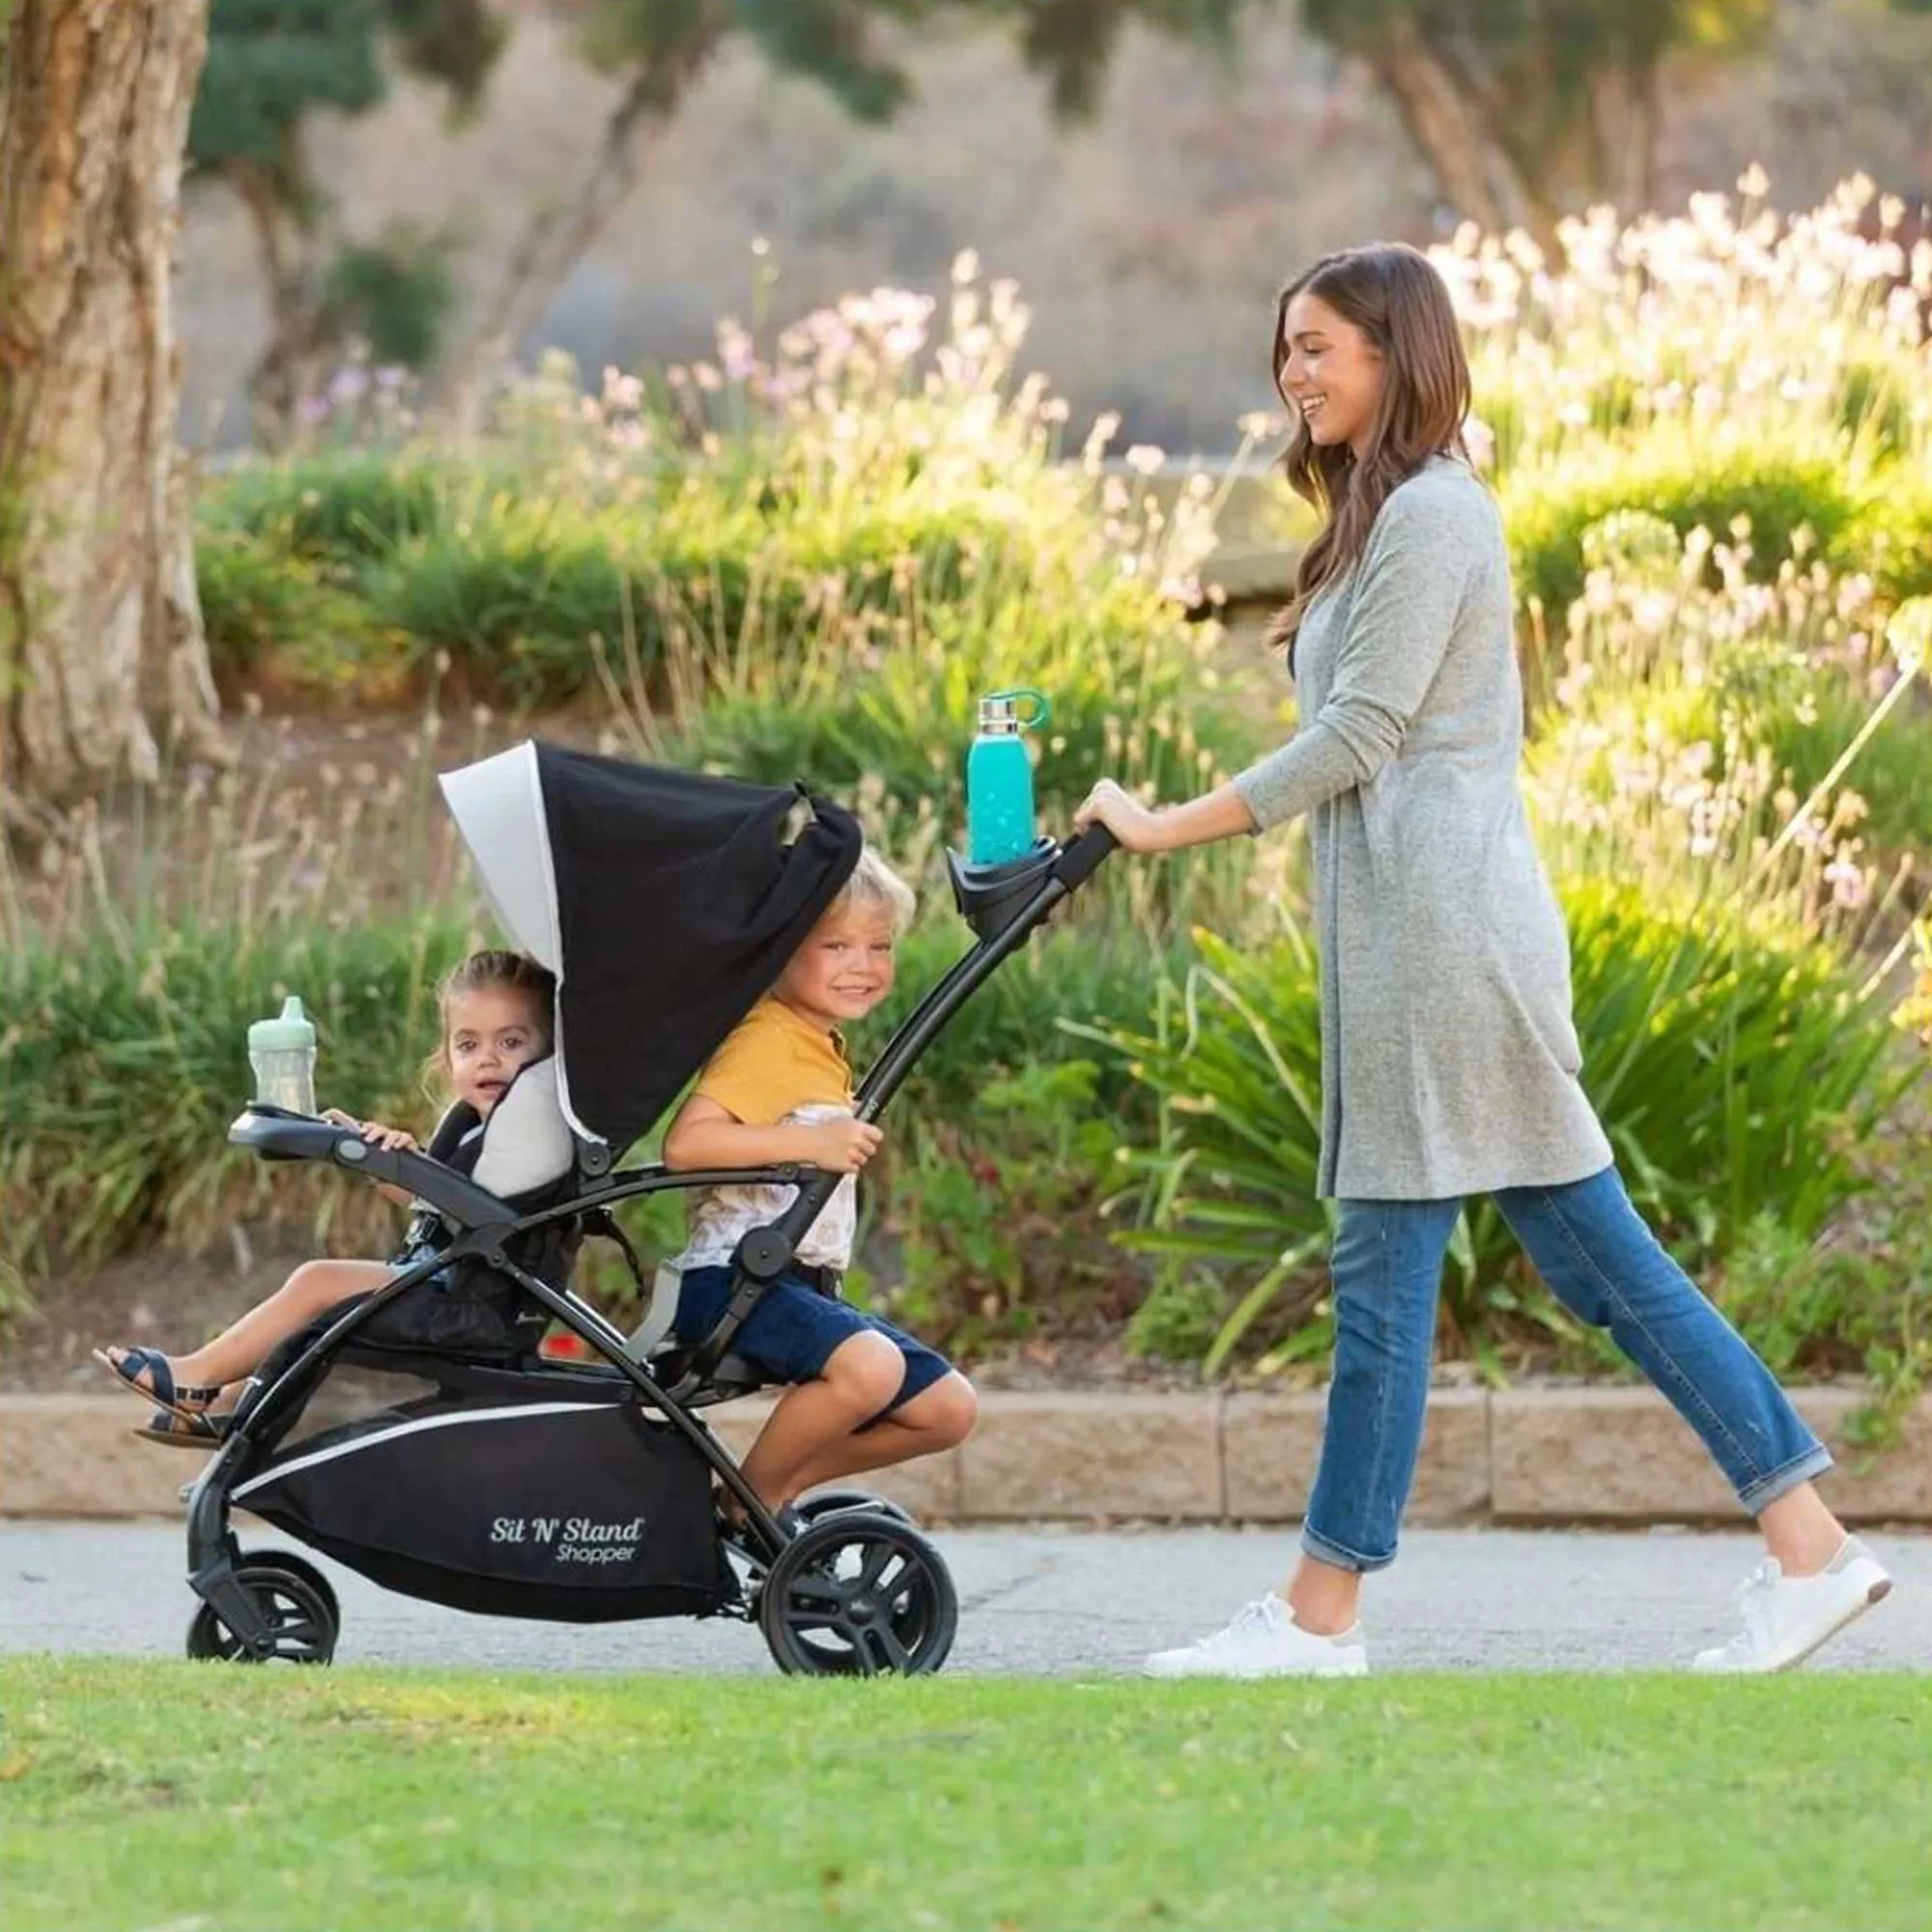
{"x": 484, "y": 972}
{"x": 1396, "y": 299}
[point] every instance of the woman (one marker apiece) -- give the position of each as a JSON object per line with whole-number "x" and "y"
{"x": 1449, "y": 1062}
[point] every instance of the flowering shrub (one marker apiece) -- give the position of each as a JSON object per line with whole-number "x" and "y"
{"x": 1729, "y": 319}
{"x": 878, "y": 465}
{"x": 1750, "y": 743}
{"x": 1728, "y": 362}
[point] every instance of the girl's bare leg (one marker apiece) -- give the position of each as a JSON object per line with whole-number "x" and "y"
{"x": 312, "y": 1290}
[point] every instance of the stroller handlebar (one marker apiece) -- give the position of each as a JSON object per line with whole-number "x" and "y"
{"x": 276, "y": 1134}
{"x": 1080, "y": 859}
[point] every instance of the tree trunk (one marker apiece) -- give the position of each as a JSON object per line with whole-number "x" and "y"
{"x": 298, "y": 348}
{"x": 562, "y": 228}
{"x": 101, "y": 651}
{"x": 1472, "y": 168}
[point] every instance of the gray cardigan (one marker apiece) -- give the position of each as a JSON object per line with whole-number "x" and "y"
{"x": 1449, "y": 1062}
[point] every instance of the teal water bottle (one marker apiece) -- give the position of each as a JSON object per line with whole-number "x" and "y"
{"x": 999, "y": 778}
{"x": 282, "y": 1053}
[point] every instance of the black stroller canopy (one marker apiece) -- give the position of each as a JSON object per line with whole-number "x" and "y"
{"x": 666, "y": 902}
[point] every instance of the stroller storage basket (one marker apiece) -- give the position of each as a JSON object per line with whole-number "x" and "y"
{"x": 583, "y": 1512}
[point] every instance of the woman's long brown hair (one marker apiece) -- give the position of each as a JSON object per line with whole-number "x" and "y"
{"x": 1392, "y": 294}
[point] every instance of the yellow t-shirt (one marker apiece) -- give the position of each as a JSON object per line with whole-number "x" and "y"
{"x": 774, "y": 1062}
{"x": 774, "y": 1069}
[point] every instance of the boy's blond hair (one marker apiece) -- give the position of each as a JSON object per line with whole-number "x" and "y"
{"x": 874, "y": 887}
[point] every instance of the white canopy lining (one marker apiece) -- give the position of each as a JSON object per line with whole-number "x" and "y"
{"x": 498, "y": 804}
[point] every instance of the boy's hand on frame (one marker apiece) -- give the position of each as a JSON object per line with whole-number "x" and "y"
{"x": 843, "y": 1146}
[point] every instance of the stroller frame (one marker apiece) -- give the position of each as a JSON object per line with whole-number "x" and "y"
{"x": 1003, "y": 906}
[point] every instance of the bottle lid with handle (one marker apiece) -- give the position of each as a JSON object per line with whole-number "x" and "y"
{"x": 291, "y": 1031}
{"x": 1001, "y": 711}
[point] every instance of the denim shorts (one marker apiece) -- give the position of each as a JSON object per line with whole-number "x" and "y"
{"x": 793, "y": 1330}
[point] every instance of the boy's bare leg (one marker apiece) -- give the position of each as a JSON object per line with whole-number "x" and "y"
{"x": 310, "y": 1291}
{"x": 939, "y": 1417}
{"x": 861, "y": 1375}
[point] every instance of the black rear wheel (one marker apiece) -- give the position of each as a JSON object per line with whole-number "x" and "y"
{"x": 295, "y": 1600}
{"x": 859, "y": 1594}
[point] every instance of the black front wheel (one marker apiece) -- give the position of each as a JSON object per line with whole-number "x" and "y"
{"x": 859, "y": 1594}
{"x": 296, "y": 1602}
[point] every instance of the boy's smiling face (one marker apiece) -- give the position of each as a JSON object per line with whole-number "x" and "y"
{"x": 844, "y": 970}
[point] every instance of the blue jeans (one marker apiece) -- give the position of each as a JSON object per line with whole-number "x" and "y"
{"x": 1608, "y": 1269}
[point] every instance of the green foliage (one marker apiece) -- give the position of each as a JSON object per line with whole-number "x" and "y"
{"x": 262, "y": 605}
{"x": 1737, "y": 692}
{"x": 995, "y": 1224}
{"x": 1823, "y": 1307}
{"x": 1900, "y": 525}
{"x": 838, "y": 43}
{"x": 121, "y": 1067}
{"x": 272, "y": 63}
{"x": 519, "y": 601}
{"x": 1001, "y": 1149}
{"x": 337, "y": 510}
{"x": 1804, "y": 715}
{"x": 395, "y": 293}
{"x": 1181, "y": 1319}
{"x": 1780, "y": 491}
{"x": 1736, "y": 1075}
{"x": 1028, "y": 1017}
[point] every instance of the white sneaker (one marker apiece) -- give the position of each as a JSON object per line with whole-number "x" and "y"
{"x": 1264, "y": 1641}
{"x": 1787, "y": 1618}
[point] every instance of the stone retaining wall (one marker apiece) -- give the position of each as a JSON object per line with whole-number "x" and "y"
{"x": 1610, "y": 1456}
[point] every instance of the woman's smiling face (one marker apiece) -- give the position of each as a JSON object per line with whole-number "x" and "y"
{"x": 1331, "y": 373}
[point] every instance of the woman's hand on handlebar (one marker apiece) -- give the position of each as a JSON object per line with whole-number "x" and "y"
{"x": 1134, "y": 826}
{"x": 1220, "y": 814}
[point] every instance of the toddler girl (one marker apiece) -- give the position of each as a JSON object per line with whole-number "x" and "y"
{"x": 497, "y": 1011}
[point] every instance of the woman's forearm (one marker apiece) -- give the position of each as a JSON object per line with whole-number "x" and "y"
{"x": 1220, "y": 814}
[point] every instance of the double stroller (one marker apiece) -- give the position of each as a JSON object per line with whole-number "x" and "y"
{"x": 511, "y": 1484}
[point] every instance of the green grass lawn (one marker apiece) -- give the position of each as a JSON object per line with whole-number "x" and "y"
{"x": 202, "y": 1798}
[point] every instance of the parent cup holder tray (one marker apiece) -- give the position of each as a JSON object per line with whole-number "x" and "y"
{"x": 990, "y": 898}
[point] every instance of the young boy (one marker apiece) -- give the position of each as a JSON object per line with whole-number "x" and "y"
{"x": 864, "y": 1394}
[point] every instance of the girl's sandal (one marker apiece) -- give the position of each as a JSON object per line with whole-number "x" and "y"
{"x": 187, "y": 1431}
{"x": 159, "y": 1387}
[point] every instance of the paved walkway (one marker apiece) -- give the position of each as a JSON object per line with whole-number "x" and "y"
{"x": 1041, "y": 1602}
